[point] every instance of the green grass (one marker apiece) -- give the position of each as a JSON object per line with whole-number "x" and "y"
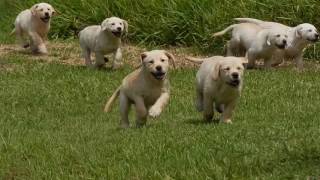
{"x": 52, "y": 127}
{"x": 167, "y": 22}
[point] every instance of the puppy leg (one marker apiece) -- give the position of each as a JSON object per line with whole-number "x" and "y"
{"x": 124, "y": 110}
{"x": 199, "y": 99}
{"x": 267, "y": 63}
{"x": 299, "y": 62}
{"x": 20, "y": 37}
{"x": 141, "y": 112}
{"x": 157, "y": 108}
{"x": 86, "y": 53}
{"x": 251, "y": 60}
{"x": 207, "y": 107}
{"x": 37, "y": 45}
{"x": 99, "y": 60}
{"x": 117, "y": 62}
{"x": 219, "y": 107}
{"x": 233, "y": 47}
{"x": 227, "y": 113}
{"x": 277, "y": 59}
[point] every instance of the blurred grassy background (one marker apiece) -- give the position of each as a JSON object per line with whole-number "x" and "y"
{"x": 167, "y": 22}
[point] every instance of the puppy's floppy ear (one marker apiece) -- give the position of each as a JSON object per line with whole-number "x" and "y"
{"x": 54, "y": 12}
{"x": 171, "y": 58}
{"x": 104, "y": 24}
{"x": 268, "y": 40}
{"x": 244, "y": 60}
{"x": 34, "y": 9}
{"x": 298, "y": 32}
{"x": 216, "y": 71}
{"x": 143, "y": 56}
{"x": 125, "y": 25}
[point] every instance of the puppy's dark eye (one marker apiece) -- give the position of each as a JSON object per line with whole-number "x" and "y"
{"x": 278, "y": 35}
{"x": 238, "y": 68}
{"x": 113, "y": 24}
{"x": 227, "y": 69}
{"x": 162, "y": 60}
{"x": 151, "y": 62}
{"x": 41, "y": 9}
{"x": 310, "y": 30}
{"x": 120, "y": 23}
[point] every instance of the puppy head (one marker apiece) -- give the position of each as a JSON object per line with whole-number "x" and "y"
{"x": 156, "y": 62}
{"x": 43, "y": 11}
{"x": 230, "y": 71}
{"x": 115, "y": 25}
{"x": 307, "y": 32}
{"x": 277, "y": 38}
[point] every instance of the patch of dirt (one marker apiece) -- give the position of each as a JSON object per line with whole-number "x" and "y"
{"x": 70, "y": 53}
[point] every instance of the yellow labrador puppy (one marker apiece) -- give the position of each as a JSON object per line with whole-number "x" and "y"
{"x": 299, "y": 37}
{"x": 103, "y": 39}
{"x": 256, "y": 42}
{"x": 34, "y": 23}
{"x": 147, "y": 88}
{"x": 218, "y": 83}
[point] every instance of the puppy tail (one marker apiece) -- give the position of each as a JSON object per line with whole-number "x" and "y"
{"x": 114, "y": 96}
{"x": 229, "y": 28}
{"x": 194, "y": 60}
{"x": 13, "y": 32}
{"x": 249, "y": 20}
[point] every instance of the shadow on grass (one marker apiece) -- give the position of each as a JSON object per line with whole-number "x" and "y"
{"x": 198, "y": 122}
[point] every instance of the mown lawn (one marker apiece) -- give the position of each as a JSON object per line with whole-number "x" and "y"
{"x": 52, "y": 127}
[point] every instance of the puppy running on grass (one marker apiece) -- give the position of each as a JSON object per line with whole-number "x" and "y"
{"x": 218, "y": 84}
{"x": 146, "y": 87}
{"x": 35, "y": 23}
{"x": 299, "y": 37}
{"x": 102, "y": 40}
{"x": 255, "y": 42}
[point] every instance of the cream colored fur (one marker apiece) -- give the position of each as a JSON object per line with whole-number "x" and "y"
{"x": 147, "y": 88}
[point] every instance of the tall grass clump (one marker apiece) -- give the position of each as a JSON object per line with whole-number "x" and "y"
{"x": 173, "y": 22}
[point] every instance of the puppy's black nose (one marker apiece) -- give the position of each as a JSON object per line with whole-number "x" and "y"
{"x": 317, "y": 36}
{"x": 235, "y": 75}
{"x": 119, "y": 28}
{"x": 284, "y": 41}
{"x": 159, "y": 68}
{"x": 46, "y": 14}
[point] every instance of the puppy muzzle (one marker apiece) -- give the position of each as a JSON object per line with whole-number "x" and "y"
{"x": 234, "y": 83}
{"x": 315, "y": 39}
{"x": 281, "y": 46}
{"x": 159, "y": 75}
{"x": 117, "y": 33}
{"x": 45, "y": 19}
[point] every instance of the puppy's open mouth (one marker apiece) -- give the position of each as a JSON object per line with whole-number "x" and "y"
{"x": 159, "y": 75}
{"x": 313, "y": 40}
{"x": 281, "y": 46}
{"x": 234, "y": 83}
{"x": 45, "y": 19}
{"x": 117, "y": 33}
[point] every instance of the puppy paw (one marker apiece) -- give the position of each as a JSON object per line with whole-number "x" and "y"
{"x": 154, "y": 111}
{"x": 227, "y": 121}
{"x": 116, "y": 66}
{"x": 26, "y": 45}
{"x": 124, "y": 126}
{"x": 42, "y": 49}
